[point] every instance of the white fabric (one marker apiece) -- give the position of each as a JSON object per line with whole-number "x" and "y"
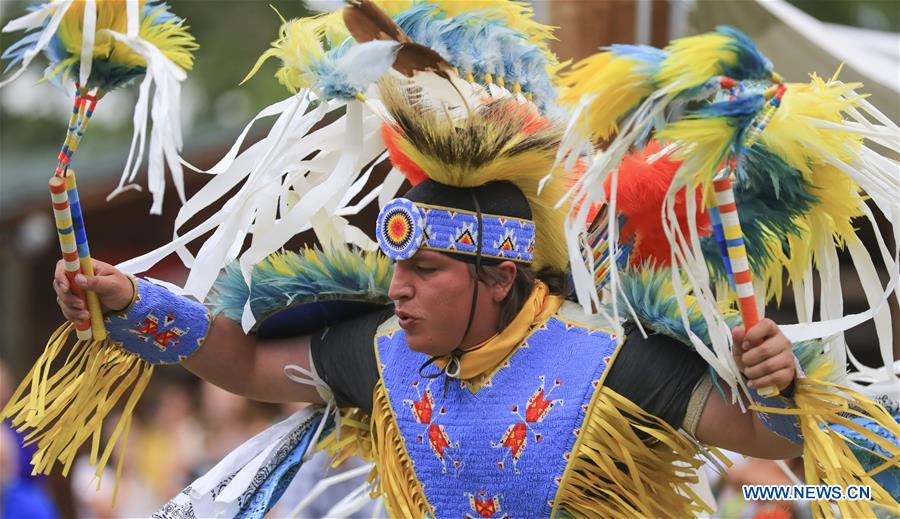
{"x": 293, "y": 180}
{"x": 243, "y": 462}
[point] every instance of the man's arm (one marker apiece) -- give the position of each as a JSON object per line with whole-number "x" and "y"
{"x": 229, "y": 358}
{"x": 764, "y": 356}
{"x": 723, "y": 424}
{"x": 240, "y": 364}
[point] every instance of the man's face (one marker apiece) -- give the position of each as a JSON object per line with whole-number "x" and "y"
{"x": 433, "y": 293}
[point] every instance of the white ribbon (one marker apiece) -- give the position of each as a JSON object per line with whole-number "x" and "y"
{"x": 34, "y": 20}
{"x": 88, "y": 33}
{"x": 164, "y": 107}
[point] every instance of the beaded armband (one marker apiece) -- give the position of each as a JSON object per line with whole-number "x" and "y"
{"x": 159, "y": 327}
{"x": 784, "y": 425}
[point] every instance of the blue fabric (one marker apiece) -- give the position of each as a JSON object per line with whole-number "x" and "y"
{"x": 23, "y": 495}
{"x": 783, "y": 425}
{"x": 865, "y": 450}
{"x": 270, "y": 491}
{"x": 26, "y": 500}
{"x": 496, "y": 449}
{"x": 403, "y": 227}
{"x": 161, "y": 327}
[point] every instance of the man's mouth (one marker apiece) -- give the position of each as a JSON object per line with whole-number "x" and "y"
{"x": 406, "y": 319}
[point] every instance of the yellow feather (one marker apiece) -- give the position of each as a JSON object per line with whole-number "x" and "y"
{"x": 695, "y": 59}
{"x": 831, "y": 219}
{"x": 331, "y": 29}
{"x": 110, "y": 15}
{"x": 790, "y": 133}
{"x": 616, "y": 85}
{"x": 394, "y": 7}
{"x": 704, "y": 144}
{"x": 171, "y": 37}
{"x": 773, "y": 273}
{"x": 299, "y": 47}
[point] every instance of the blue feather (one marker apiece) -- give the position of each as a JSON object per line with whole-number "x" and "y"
{"x": 770, "y": 195}
{"x": 308, "y": 276}
{"x": 751, "y": 64}
{"x": 740, "y": 111}
{"x": 651, "y": 56}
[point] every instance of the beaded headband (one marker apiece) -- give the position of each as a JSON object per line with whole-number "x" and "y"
{"x": 405, "y": 227}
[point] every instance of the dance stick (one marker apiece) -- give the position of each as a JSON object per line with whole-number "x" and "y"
{"x": 737, "y": 257}
{"x": 82, "y": 111}
{"x": 66, "y": 232}
{"x": 98, "y": 329}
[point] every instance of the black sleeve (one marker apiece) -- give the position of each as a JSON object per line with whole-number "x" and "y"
{"x": 657, "y": 373}
{"x": 344, "y": 356}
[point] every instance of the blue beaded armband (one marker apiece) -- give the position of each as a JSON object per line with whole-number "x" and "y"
{"x": 160, "y": 327}
{"x": 784, "y": 425}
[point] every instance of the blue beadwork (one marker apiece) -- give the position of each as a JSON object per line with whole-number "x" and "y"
{"x": 161, "y": 327}
{"x": 400, "y": 229}
{"x": 452, "y": 230}
{"x": 464, "y": 449}
{"x": 786, "y": 426}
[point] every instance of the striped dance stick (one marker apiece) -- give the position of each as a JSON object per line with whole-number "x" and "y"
{"x": 98, "y": 329}
{"x": 737, "y": 256}
{"x": 66, "y": 232}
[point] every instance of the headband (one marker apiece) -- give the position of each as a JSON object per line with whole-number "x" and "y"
{"x": 404, "y": 227}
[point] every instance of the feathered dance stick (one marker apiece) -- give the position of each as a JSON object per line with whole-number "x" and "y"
{"x": 796, "y": 160}
{"x": 107, "y": 45}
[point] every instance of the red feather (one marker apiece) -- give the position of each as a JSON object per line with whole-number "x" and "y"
{"x": 400, "y": 160}
{"x": 639, "y": 196}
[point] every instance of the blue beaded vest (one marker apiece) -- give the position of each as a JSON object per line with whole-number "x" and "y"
{"x": 502, "y": 449}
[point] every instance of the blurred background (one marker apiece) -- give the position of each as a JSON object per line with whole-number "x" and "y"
{"x": 183, "y": 426}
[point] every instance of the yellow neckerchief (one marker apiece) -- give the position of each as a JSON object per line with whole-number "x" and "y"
{"x": 484, "y": 357}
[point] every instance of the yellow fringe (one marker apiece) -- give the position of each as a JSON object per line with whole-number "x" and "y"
{"x": 827, "y": 458}
{"x": 65, "y": 409}
{"x": 378, "y": 439}
{"x": 353, "y": 439}
{"x": 615, "y": 474}
{"x": 397, "y": 481}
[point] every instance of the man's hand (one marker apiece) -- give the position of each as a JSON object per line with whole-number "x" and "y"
{"x": 764, "y": 355}
{"x": 112, "y": 287}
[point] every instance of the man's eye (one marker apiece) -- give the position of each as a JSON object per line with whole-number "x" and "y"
{"x": 424, "y": 269}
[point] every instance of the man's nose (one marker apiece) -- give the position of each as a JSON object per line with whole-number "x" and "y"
{"x": 400, "y": 287}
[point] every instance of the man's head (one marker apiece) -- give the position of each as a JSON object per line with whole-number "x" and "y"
{"x": 433, "y": 296}
{"x": 459, "y": 253}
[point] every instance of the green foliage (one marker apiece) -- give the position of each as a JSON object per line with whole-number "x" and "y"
{"x": 871, "y": 14}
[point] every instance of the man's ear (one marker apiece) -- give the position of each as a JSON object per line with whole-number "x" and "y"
{"x": 499, "y": 289}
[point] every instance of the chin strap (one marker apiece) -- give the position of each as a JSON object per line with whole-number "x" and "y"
{"x": 452, "y": 369}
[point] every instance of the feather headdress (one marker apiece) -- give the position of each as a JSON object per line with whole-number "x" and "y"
{"x": 315, "y": 179}
{"x": 502, "y": 140}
